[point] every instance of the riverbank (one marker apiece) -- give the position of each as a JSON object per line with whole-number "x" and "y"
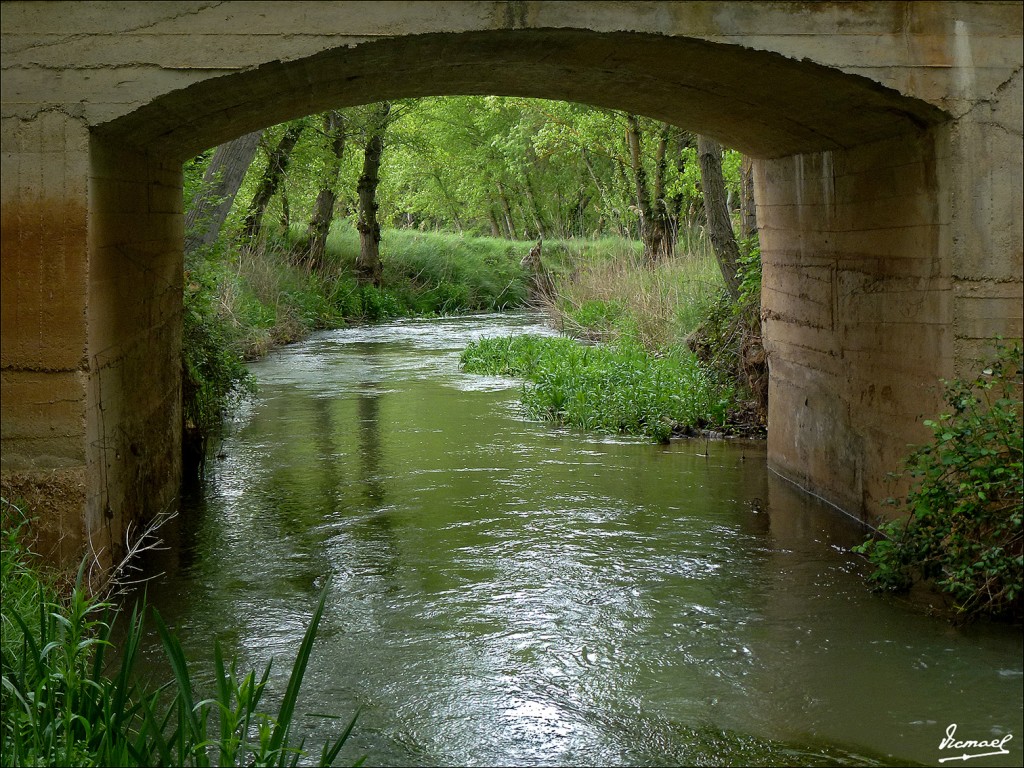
{"x": 242, "y": 302}
{"x": 271, "y": 294}
{"x": 645, "y": 315}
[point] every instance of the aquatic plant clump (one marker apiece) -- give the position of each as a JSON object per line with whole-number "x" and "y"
{"x": 616, "y": 388}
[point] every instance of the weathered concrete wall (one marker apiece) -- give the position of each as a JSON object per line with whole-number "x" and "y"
{"x": 857, "y": 304}
{"x": 91, "y": 334}
{"x": 135, "y": 305}
{"x": 43, "y": 328}
{"x": 889, "y": 186}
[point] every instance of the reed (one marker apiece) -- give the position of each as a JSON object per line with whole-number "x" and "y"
{"x": 606, "y": 290}
{"x": 66, "y": 703}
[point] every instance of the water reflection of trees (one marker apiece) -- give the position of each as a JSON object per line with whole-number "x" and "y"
{"x": 376, "y": 552}
{"x": 368, "y": 410}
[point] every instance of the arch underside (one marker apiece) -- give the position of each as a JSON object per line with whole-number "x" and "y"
{"x": 759, "y": 102}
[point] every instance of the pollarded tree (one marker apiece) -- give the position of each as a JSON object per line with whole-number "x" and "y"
{"x": 368, "y": 265}
{"x": 655, "y": 225}
{"x": 323, "y": 207}
{"x": 278, "y": 161}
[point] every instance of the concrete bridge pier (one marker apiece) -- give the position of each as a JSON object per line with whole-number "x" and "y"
{"x": 856, "y": 312}
{"x": 887, "y": 267}
{"x": 92, "y": 287}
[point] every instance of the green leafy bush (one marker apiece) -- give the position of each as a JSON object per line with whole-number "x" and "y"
{"x": 963, "y": 525}
{"x": 749, "y": 274}
{"x": 379, "y": 304}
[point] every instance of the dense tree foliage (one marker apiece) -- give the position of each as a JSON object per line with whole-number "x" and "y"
{"x": 505, "y": 167}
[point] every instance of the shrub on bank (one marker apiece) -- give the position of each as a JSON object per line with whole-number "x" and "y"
{"x": 962, "y": 528}
{"x": 213, "y": 376}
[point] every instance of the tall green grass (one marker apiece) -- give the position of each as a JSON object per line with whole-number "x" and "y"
{"x": 442, "y": 272}
{"x": 613, "y": 388}
{"x": 606, "y": 289}
{"x": 66, "y": 703}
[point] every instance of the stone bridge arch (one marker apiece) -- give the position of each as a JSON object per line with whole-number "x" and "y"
{"x": 888, "y": 138}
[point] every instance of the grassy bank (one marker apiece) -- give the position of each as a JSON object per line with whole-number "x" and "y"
{"x": 643, "y": 376}
{"x": 272, "y": 295}
{"x": 606, "y": 290}
{"x": 241, "y": 302}
{"x": 68, "y": 701}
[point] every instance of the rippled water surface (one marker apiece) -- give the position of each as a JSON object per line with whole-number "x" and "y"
{"x": 504, "y": 593}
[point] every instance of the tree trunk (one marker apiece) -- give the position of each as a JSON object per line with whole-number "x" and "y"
{"x": 368, "y": 266}
{"x": 323, "y": 208}
{"x": 540, "y": 221}
{"x": 654, "y": 229}
{"x": 580, "y": 213}
{"x": 538, "y": 216}
{"x": 493, "y": 219}
{"x": 211, "y": 206}
{"x": 748, "y": 208}
{"x": 661, "y": 239}
{"x": 286, "y": 211}
{"x": 723, "y": 240}
{"x": 648, "y": 230}
{"x": 277, "y": 164}
{"x": 678, "y": 201}
{"x": 602, "y": 189}
{"x": 510, "y": 226}
{"x": 453, "y": 207}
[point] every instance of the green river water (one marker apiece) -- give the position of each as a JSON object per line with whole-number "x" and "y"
{"x": 505, "y": 593}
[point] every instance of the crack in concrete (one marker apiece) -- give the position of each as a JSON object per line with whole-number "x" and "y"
{"x": 84, "y": 35}
{"x": 75, "y": 111}
{"x": 990, "y": 99}
{"x": 131, "y": 66}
